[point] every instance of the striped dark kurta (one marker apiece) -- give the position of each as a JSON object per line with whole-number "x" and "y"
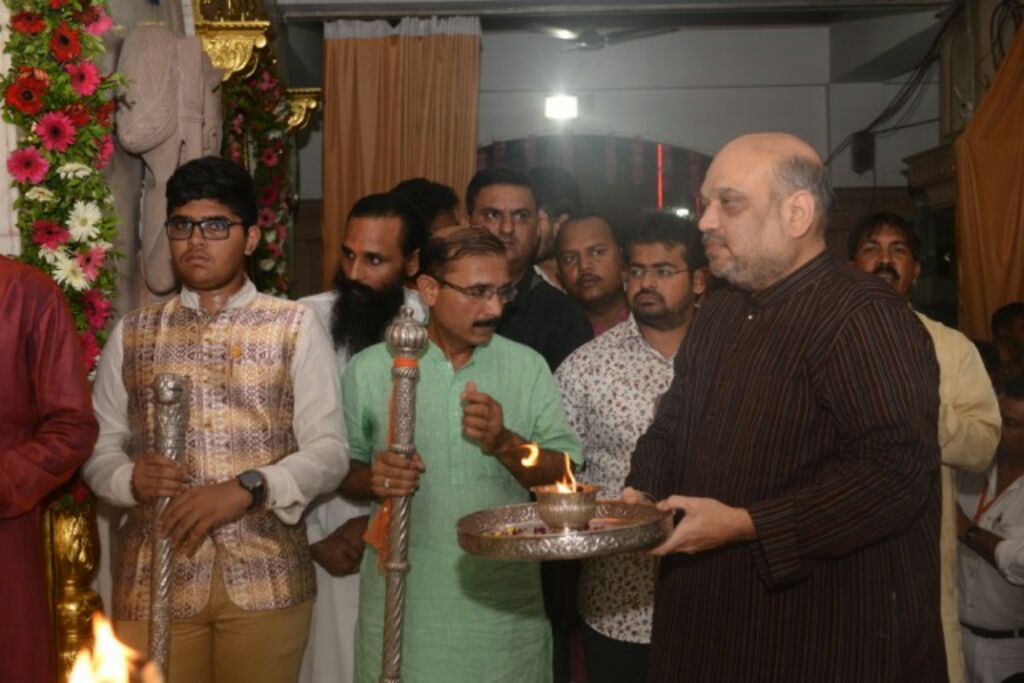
{"x": 813, "y": 404}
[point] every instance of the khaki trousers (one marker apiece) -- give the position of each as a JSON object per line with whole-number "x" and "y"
{"x": 227, "y": 644}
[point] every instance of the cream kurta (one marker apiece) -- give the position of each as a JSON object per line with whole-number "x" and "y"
{"x": 969, "y": 426}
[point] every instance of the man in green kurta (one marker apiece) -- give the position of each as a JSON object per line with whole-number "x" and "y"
{"x": 480, "y": 398}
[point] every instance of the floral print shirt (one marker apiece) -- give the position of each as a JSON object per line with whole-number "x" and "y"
{"x": 609, "y": 388}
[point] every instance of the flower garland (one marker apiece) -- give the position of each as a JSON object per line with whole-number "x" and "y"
{"x": 57, "y": 96}
{"x": 255, "y": 134}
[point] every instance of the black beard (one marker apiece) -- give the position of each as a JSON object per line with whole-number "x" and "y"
{"x": 361, "y": 313}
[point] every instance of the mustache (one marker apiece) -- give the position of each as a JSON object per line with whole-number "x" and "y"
{"x": 885, "y": 268}
{"x": 712, "y": 237}
{"x": 487, "y": 323}
{"x": 652, "y": 292}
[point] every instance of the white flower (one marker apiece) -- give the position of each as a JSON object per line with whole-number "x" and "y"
{"x": 73, "y": 169}
{"x": 67, "y": 272}
{"x": 50, "y": 256}
{"x": 40, "y": 194}
{"x": 83, "y": 221}
{"x": 267, "y": 264}
{"x": 270, "y": 236}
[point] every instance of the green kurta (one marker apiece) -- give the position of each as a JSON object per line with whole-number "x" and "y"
{"x": 466, "y": 618}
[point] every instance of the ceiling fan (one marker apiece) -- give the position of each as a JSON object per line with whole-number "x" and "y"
{"x": 591, "y": 40}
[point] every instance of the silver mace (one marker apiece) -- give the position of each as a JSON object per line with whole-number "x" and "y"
{"x": 405, "y": 338}
{"x": 171, "y": 394}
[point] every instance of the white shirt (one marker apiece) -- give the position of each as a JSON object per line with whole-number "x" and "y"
{"x": 323, "y": 519}
{"x": 329, "y": 654}
{"x": 318, "y": 466}
{"x": 609, "y": 388}
{"x": 993, "y": 597}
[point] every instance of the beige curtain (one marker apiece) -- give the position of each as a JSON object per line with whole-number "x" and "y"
{"x": 398, "y": 103}
{"x": 990, "y": 198}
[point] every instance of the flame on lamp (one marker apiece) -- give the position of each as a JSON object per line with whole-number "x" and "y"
{"x": 110, "y": 660}
{"x": 532, "y": 456}
{"x": 568, "y": 483}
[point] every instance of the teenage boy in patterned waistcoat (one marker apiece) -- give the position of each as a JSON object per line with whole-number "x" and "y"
{"x": 265, "y": 437}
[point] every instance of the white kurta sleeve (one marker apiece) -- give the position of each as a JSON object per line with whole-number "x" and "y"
{"x": 322, "y": 459}
{"x": 108, "y": 472}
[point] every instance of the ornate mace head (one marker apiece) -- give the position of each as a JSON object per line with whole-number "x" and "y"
{"x": 405, "y": 336}
{"x": 170, "y": 388}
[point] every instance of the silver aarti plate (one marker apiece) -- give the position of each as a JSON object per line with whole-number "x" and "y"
{"x": 516, "y": 532}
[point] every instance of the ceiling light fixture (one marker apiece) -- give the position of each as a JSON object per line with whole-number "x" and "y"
{"x": 561, "y": 107}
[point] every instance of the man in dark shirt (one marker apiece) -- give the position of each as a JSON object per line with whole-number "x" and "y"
{"x": 540, "y": 316}
{"x": 798, "y": 439}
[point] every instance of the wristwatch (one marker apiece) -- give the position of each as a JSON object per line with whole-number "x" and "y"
{"x": 254, "y": 482}
{"x": 970, "y": 533}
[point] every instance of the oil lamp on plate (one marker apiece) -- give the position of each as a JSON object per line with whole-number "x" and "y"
{"x": 565, "y": 505}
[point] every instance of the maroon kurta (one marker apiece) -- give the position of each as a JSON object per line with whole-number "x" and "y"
{"x": 813, "y": 404}
{"x": 47, "y": 429}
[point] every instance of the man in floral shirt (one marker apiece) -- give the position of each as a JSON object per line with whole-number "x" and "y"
{"x": 610, "y": 387}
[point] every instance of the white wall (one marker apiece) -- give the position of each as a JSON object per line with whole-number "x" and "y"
{"x": 696, "y": 88}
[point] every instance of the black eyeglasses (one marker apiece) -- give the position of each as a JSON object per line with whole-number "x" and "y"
{"x": 216, "y": 228}
{"x": 505, "y": 293}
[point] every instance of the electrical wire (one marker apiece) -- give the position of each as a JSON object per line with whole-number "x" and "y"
{"x": 912, "y": 89}
{"x": 1005, "y": 13}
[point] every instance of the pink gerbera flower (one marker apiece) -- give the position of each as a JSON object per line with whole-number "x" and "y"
{"x": 48, "y": 234}
{"x": 92, "y": 261}
{"x": 85, "y": 77}
{"x": 96, "y": 308}
{"x": 56, "y": 131}
{"x": 105, "y": 151}
{"x": 27, "y": 165}
{"x": 269, "y": 157}
{"x": 266, "y": 218}
{"x": 266, "y": 81}
{"x": 101, "y": 25}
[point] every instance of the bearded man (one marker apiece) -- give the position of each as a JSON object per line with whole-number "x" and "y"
{"x": 379, "y": 254}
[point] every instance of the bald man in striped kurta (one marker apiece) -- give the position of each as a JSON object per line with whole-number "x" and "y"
{"x": 798, "y": 439}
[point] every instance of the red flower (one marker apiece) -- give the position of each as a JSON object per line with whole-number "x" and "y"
{"x": 64, "y": 43}
{"x": 48, "y": 234}
{"x": 57, "y": 4}
{"x": 96, "y": 308}
{"x": 105, "y": 112}
{"x": 268, "y": 195}
{"x": 80, "y": 492}
{"x": 28, "y": 22}
{"x": 88, "y": 15}
{"x": 266, "y": 218}
{"x": 90, "y": 349}
{"x": 27, "y": 92}
{"x": 25, "y": 98}
{"x": 269, "y": 157}
{"x": 78, "y": 113}
{"x": 56, "y": 131}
